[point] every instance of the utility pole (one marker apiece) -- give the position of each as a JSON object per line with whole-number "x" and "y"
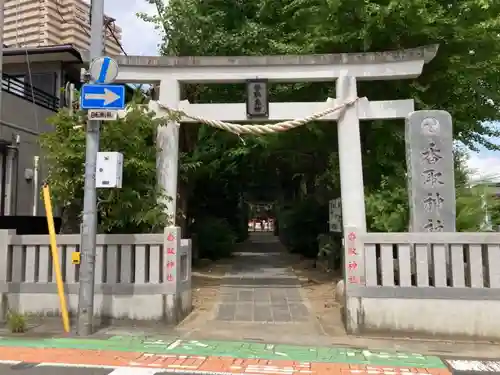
{"x": 2, "y": 6}
{"x": 89, "y": 222}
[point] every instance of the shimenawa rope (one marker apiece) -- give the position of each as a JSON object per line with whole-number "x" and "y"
{"x": 262, "y": 129}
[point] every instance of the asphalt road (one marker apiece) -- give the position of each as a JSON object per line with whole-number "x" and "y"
{"x": 34, "y": 369}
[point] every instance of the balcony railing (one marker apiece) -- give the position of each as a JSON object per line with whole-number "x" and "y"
{"x": 25, "y": 91}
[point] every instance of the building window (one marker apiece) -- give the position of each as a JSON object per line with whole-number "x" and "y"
{"x": 45, "y": 82}
{"x": 42, "y": 81}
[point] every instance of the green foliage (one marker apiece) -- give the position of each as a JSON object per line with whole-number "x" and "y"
{"x": 330, "y": 249}
{"x": 494, "y": 210}
{"x": 17, "y": 322}
{"x": 299, "y": 168}
{"x": 474, "y": 204}
{"x": 470, "y": 214}
{"x": 387, "y": 208}
{"x": 460, "y": 79}
{"x": 132, "y": 209}
{"x": 300, "y": 225}
{"x": 215, "y": 238}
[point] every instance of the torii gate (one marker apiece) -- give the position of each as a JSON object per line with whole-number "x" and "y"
{"x": 347, "y": 68}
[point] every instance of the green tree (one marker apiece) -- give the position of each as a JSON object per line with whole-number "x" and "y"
{"x": 303, "y": 164}
{"x": 388, "y": 209}
{"x": 461, "y": 79}
{"x": 132, "y": 209}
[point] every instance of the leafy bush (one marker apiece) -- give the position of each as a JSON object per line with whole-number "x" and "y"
{"x": 136, "y": 207}
{"x": 472, "y": 203}
{"x": 300, "y": 226}
{"x": 387, "y": 207}
{"x": 330, "y": 249}
{"x": 16, "y": 322}
{"x": 215, "y": 238}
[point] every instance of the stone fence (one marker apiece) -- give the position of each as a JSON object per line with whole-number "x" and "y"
{"x": 137, "y": 276}
{"x": 444, "y": 284}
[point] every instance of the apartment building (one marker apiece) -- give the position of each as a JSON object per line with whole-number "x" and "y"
{"x": 37, "y": 23}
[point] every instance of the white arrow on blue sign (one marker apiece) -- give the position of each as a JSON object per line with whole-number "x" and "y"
{"x": 102, "y": 97}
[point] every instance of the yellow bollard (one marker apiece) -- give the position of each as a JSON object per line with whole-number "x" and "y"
{"x": 55, "y": 257}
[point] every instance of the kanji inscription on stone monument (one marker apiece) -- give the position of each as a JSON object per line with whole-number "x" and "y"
{"x": 431, "y": 181}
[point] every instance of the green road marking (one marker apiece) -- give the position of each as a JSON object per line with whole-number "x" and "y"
{"x": 236, "y": 350}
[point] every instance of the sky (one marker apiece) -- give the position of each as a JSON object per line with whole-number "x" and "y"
{"x": 486, "y": 164}
{"x": 140, "y": 38}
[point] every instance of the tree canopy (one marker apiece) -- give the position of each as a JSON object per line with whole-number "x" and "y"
{"x": 462, "y": 79}
{"x": 298, "y": 170}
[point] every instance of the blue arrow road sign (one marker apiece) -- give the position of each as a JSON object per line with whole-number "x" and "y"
{"x": 102, "y": 97}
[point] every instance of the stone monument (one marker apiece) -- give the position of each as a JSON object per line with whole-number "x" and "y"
{"x": 431, "y": 180}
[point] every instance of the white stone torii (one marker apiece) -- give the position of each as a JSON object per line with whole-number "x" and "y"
{"x": 347, "y": 68}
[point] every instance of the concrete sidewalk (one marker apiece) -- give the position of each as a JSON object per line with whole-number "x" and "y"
{"x": 213, "y": 357}
{"x": 51, "y": 328}
{"x": 189, "y": 356}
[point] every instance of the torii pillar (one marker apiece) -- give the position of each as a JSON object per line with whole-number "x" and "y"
{"x": 350, "y": 157}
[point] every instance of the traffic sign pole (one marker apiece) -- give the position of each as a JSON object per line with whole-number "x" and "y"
{"x": 89, "y": 223}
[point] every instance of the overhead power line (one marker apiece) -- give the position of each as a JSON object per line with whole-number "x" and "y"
{"x": 109, "y": 26}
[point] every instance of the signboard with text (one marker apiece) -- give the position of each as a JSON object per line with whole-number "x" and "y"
{"x": 354, "y": 259}
{"x": 335, "y": 215}
{"x": 171, "y": 252}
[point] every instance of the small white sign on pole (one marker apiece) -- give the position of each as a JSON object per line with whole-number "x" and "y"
{"x": 102, "y": 114}
{"x": 335, "y": 210}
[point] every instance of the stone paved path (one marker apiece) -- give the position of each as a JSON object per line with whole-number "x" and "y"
{"x": 260, "y": 287}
